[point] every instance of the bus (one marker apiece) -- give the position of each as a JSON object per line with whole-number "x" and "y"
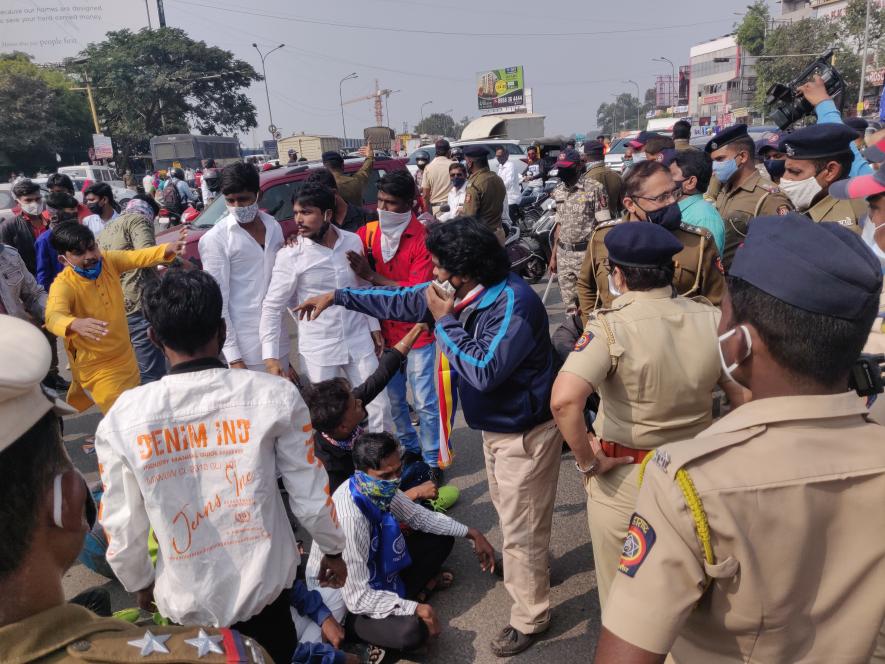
{"x": 190, "y": 150}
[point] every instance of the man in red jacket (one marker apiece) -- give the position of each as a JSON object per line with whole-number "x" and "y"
{"x": 396, "y": 255}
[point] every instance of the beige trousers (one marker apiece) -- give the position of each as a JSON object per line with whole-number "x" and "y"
{"x": 610, "y": 501}
{"x": 523, "y": 471}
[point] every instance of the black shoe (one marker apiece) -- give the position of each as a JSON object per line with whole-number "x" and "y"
{"x": 511, "y": 642}
{"x": 437, "y": 476}
{"x": 57, "y": 383}
{"x": 411, "y": 457}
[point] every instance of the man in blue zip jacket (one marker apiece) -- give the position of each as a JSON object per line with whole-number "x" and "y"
{"x": 493, "y": 330}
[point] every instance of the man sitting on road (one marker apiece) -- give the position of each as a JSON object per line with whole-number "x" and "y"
{"x": 390, "y": 575}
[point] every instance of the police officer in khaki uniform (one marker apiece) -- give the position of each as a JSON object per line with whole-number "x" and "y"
{"x": 649, "y": 196}
{"x": 816, "y": 158}
{"x": 652, "y": 358}
{"x": 744, "y": 193}
{"x": 581, "y": 204}
{"x": 350, "y": 187}
{"x": 486, "y": 194}
{"x": 594, "y": 162}
{"x": 761, "y": 539}
{"x": 47, "y": 508}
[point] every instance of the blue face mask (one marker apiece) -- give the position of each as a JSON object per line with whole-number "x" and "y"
{"x": 91, "y": 273}
{"x": 380, "y": 492}
{"x": 723, "y": 170}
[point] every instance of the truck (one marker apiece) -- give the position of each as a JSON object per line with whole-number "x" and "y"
{"x": 307, "y": 146}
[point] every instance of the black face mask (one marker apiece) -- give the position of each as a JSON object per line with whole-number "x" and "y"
{"x": 568, "y": 175}
{"x": 95, "y": 208}
{"x": 669, "y": 217}
{"x": 776, "y": 168}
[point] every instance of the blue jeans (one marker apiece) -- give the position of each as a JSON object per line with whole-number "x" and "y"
{"x": 151, "y": 361}
{"x": 421, "y": 374}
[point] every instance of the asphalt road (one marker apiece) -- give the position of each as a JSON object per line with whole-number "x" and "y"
{"x": 477, "y": 606}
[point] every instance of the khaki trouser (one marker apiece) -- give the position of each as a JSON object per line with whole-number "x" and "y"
{"x": 879, "y": 654}
{"x": 611, "y": 499}
{"x": 523, "y": 470}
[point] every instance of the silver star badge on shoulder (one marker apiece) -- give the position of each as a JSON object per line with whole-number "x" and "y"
{"x": 206, "y": 644}
{"x": 150, "y": 644}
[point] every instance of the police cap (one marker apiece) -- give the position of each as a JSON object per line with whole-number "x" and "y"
{"x": 818, "y": 141}
{"x": 24, "y": 361}
{"x": 475, "y": 151}
{"x": 332, "y": 155}
{"x": 594, "y": 149}
{"x": 726, "y": 136}
{"x": 858, "y": 124}
{"x": 641, "y": 244}
{"x": 568, "y": 158}
{"x": 822, "y": 267}
{"x": 768, "y": 142}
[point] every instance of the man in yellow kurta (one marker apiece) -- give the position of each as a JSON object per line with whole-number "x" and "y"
{"x": 85, "y": 308}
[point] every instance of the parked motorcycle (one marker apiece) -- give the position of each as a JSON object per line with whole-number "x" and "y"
{"x": 530, "y": 252}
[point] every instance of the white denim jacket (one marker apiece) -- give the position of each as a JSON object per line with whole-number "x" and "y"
{"x": 196, "y": 456}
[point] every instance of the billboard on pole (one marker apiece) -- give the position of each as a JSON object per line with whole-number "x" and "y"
{"x": 500, "y": 89}
{"x": 52, "y": 30}
{"x": 102, "y": 146}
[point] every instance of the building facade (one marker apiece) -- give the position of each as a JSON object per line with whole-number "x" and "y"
{"x": 722, "y": 82}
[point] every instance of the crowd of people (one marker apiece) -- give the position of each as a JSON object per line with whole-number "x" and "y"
{"x": 717, "y": 304}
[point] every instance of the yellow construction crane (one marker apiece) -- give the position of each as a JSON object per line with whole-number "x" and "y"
{"x": 376, "y": 97}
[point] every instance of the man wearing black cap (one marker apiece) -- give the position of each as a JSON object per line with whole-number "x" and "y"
{"x": 436, "y": 183}
{"x": 46, "y": 509}
{"x": 350, "y": 187}
{"x": 816, "y": 157}
{"x": 743, "y": 544}
{"x": 594, "y": 163}
{"x": 744, "y": 194}
{"x": 682, "y": 135}
{"x": 649, "y": 196}
{"x": 486, "y": 192}
{"x": 581, "y": 204}
{"x": 634, "y": 356}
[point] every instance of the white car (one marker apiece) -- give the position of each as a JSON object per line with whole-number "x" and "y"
{"x": 122, "y": 195}
{"x": 515, "y": 152}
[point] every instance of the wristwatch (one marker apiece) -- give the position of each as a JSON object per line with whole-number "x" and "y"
{"x": 588, "y": 471}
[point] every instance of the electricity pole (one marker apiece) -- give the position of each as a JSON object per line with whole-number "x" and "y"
{"x": 272, "y": 128}
{"x": 863, "y": 62}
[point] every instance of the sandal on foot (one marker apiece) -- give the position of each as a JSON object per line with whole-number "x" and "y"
{"x": 442, "y": 581}
{"x": 368, "y": 654}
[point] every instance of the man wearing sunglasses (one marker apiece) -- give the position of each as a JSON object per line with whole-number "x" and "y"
{"x": 45, "y": 511}
{"x": 649, "y": 195}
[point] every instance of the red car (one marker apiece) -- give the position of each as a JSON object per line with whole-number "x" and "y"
{"x": 277, "y": 188}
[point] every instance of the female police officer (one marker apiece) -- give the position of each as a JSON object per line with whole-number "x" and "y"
{"x": 653, "y": 359}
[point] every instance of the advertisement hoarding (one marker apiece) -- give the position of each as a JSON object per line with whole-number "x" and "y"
{"x": 52, "y": 30}
{"x": 103, "y": 147}
{"x": 500, "y": 89}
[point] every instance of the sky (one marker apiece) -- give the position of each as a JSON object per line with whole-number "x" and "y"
{"x": 576, "y": 54}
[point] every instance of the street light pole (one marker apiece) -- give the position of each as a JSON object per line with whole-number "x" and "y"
{"x": 350, "y": 76}
{"x": 863, "y": 62}
{"x": 271, "y": 127}
{"x": 422, "y": 109}
{"x": 638, "y": 101}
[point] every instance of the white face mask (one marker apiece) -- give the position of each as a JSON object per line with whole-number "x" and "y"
{"x": 34, "y": 208}
{"x": 870, "y": 231}
{"x": 244, "y": 215}
{"x": 801, "y": 192}
{"x": 393, "y": 224}
{"x": 728, "y": 368}
{"x": 444, "y": 288}
{"x": 612, "y": 288}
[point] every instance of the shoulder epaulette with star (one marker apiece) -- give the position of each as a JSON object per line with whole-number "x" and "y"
{"x": 697, "y": 230}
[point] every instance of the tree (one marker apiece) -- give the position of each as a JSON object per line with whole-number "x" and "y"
{"x": 437, "y": 124}
{"x": 163, "y": 82}
{"x": 41, "y": 116}
{"x": 620, "y": 115}
{"x": 751, "y": 31}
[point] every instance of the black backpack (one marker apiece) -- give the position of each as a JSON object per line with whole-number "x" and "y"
{"x": 170, "y": 198}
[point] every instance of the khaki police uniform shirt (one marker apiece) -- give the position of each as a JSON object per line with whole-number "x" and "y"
{"x": 792, "y": 488}
{"x": 350, "y": 187}
{"x": 698, "y": 268}
{"x": 612, "y": 184}
{"x": 71, "y": 633}
{"x": 846, "y": 213}
{"x": 436, "y": 178}
{"x": 737, "y": 205}
{"x": 485, "y": 198}
{"x": 653, "y": 360}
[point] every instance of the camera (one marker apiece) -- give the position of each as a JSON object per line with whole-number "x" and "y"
{"x": 867, "y": 376}
{"x": 786, "y": 106}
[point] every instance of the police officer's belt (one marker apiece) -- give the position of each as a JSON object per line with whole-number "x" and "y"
{"x": 616, "y": 450}
{"x": 577, "y": 246}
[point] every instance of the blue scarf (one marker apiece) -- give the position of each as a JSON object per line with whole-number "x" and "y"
{"x": 388, "y": 554}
